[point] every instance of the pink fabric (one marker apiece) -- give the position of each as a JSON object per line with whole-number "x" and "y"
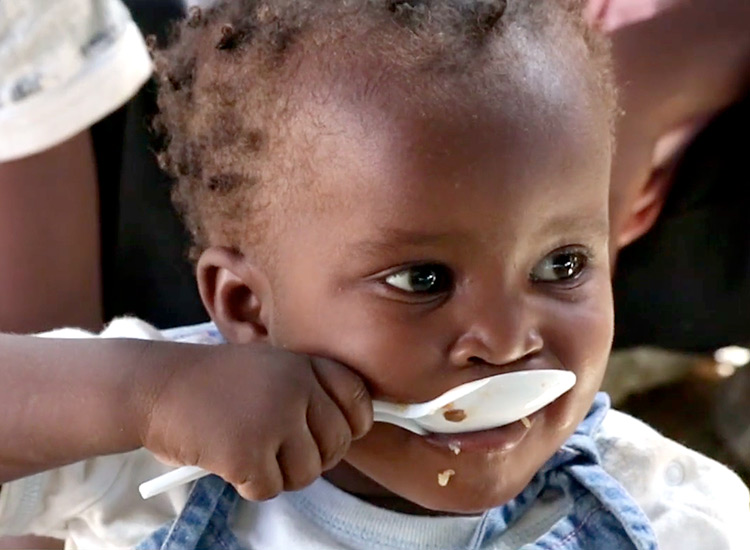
{"x": 610, "y": 15}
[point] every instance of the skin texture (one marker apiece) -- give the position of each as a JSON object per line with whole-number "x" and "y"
{"x": 124, "y": 394}
{"x": 49, "y": 240}
{"x": 458, "y": 186}
{"x": 299, "y": 412}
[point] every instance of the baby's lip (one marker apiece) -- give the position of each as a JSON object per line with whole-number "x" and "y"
{"x": 499, "y": 440}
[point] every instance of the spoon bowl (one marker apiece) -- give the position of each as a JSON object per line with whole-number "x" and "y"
{"x": 487, "y": 403}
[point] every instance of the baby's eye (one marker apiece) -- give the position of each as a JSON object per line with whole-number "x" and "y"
{"x": 422, "y": 279}
{"x": 561, "y": 265}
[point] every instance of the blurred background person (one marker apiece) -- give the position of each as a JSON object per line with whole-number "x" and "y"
{"x": 64, "y": 65}
{"x": 679, "y": 211}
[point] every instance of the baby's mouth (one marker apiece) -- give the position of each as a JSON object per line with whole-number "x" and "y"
{"x": 500, "y": 440}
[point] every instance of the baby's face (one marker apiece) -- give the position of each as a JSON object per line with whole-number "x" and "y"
{"x": 441, "y": 245}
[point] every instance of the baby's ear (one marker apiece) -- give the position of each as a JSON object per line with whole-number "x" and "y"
{"x": 645, "y": 207}
{"x": 236, "y": 294}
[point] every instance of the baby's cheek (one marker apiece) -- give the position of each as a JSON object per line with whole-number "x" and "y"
{"x": 600, "y": 328}
{"x": 397, "y": 365}
{"x": 590, "y": 326}
{"x": 580, "y": 342}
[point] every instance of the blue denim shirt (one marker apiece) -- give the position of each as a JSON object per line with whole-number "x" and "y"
{"x": 602, "y": 516}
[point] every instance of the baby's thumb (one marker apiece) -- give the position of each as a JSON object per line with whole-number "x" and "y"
{"x": 348, "y": 391}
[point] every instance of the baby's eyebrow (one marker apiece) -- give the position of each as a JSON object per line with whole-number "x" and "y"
{"x": 584, "y": 225}
{"x": 394, "y": 238}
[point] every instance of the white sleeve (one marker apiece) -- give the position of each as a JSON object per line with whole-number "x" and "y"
{"x": 90, "y": 504}
{"x": 45, "y": 503}
{"x": 64, "y": 65}
{"x": 693, "y": 502}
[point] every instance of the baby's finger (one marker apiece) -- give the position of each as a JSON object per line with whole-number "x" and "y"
{"x": 299, "y": 461}
{"x": 265, "y": 482}
{"x": 348, "y": 391}
{"x": 330, "y": 430}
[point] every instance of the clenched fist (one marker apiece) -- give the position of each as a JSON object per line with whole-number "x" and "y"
{"x": 264, "y": 419}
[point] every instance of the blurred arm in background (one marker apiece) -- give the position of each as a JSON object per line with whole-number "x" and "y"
{"x": 63, "y": 66}
{"x": 675, "y": 70}
{"x": 49, "y": 239}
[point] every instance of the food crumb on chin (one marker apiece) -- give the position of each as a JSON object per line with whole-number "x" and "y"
{"x": 445, "y": 476}
{"x": 526, "y": 422}
{"x": 455, "y": 447}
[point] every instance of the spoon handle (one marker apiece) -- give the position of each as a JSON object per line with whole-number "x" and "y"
{"x": 186, "y": 474}
{"x": 391, "y": 409}
{"x": 170, "y": 480}
{"x": 404, "y": 423}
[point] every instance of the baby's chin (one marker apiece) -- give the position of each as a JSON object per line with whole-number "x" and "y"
{"x": 439, "y": 482}
{"x": 460, "y": 498}
{"x": 446, "y": 495}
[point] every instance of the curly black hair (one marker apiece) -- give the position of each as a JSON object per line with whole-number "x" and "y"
{"x": 230, "y": 76}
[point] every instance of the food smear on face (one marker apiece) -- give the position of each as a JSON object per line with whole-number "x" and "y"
{"x": 445, "y": 476}
{"x": 455, "y": 415}
{"x": 455, "y": 447}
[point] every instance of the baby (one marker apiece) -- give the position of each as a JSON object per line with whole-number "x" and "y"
{"x": 417, "y": 190}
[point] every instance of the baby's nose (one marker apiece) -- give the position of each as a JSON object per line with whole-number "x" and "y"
{"x": 497, "y": 336}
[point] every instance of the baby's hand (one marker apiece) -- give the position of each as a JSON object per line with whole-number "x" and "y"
{"x": 264, "y": 419}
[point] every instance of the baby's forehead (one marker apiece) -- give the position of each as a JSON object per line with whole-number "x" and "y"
{"x": 371, "y": 134}
{"x": 525, "y": 102}
{"x": 393, "y": 148}
{"x": 374, "y": 174}
{"x": 247, "y": 107}
{"x": 539, "y": 80}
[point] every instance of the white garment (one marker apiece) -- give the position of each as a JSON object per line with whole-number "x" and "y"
{"x": 693, "y": 502}
{"x": 64, "y": 65}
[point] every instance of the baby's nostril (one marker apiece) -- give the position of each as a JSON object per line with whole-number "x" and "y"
{"x": 474, "y": 360}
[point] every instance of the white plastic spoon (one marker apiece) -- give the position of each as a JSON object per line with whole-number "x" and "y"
{"x": 479, "y": 405}
{"x": 487, "y": 403}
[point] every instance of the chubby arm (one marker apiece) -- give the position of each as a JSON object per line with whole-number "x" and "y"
{"x": 265, "y": 419}
{"x": 49, "y": 240}
{"x": 67, "y": 400}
